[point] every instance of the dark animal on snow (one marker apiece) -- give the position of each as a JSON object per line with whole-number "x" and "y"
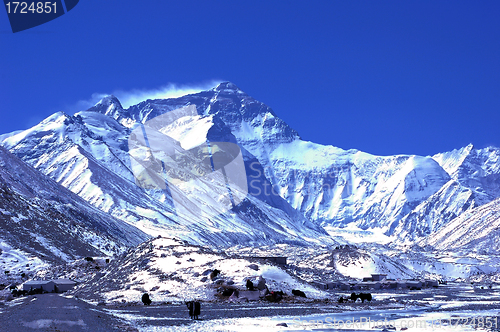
{"x": 35, "y": 291}
{"x": 365, "y": 296}
{"x": 362, "y": 297}
{"x": 190, "y": 306}
{"x": 197, "y": 309}
{"x": 145, "y": 299}
{"x": 227, "y": 292}
{"x": 275, "y": 296}
{"x": 194, "y": 308}
{"x": 341, "y": 300}
{"x": 18, "y": 293}
{"x": 214, "y": 274}
{"x": 250, "y": 285}
{"x": 297, "y": 292}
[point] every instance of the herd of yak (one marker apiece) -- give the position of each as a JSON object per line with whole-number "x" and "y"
{"x": 194, "y": 307}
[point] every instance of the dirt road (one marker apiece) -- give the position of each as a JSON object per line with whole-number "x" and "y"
{"x": 52, "y": 312}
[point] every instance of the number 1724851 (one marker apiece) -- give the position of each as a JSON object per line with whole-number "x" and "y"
{"x": 33, "y": 7}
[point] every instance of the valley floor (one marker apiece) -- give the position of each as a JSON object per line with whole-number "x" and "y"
{"x": 53, "y": 312}
{"x": 450, "y": 307}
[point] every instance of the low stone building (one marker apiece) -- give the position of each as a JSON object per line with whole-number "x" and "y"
{"x": 44, "y": 285}
{"x": 379, "y": 277}
{"x": 50, "y": 286}
{"x": 431, "y": 283}
{"x": 414, "y": 284}
{"x": 63, "y": 285}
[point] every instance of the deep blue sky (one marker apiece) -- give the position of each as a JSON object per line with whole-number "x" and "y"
{"x": 385, "y": 77}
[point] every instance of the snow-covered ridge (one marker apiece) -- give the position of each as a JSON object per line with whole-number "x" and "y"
{"x": 331, "y": 186}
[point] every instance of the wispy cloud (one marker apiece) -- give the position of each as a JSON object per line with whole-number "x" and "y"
{"x": 135, "y": 96}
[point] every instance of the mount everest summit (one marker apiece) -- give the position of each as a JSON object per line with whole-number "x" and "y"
{"x": 299, "y": 192}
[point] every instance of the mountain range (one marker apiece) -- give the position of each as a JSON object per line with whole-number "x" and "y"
{"x": 299, "y": 192}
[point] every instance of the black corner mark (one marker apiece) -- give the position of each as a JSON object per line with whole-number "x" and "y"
{"x": 25, "y": 15}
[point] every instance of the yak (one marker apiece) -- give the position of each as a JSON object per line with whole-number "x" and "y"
{"x": 194, "y": 308}
{"x": 214, "y": 274}
{"x": 145, "y": 299}
{"x": 250, "y": 285}
{"x": 362, "y": 297}
{"x": 297, "y": 292}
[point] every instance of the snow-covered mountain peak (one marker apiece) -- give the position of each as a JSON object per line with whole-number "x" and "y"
{"x": 109, "y": 105}
{"x": 55, "y": 123}
{"x": 109, "y": 100}
{"x": 52, "y": 122}
{"x": 453, "y": 159}
{"x": 228, "y": 87}
{"x": 477, "y": 169}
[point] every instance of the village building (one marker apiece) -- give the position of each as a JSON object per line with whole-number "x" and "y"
{"x": 377, "y": 281}
{"x": 379, "y": 277}
{"x": 50, "y": 286}
{"x": 63, "y": 285}
{"x": 44, "y": 285}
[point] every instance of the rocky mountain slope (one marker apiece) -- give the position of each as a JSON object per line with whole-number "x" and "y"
{"x": 476, "y": 230}
{"x": 41, "y": 222}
